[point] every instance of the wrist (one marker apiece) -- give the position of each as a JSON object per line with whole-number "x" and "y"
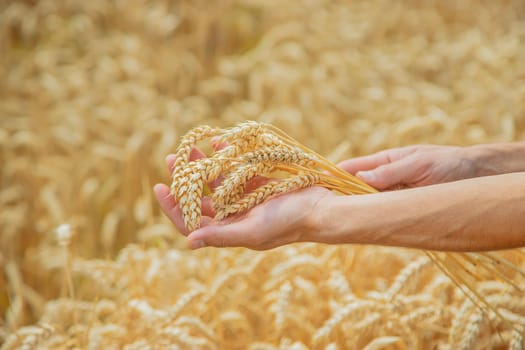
{"x": 498, "y": 158}
{"x": 337, "y": 220}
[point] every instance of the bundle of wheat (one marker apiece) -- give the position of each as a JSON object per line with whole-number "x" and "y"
{"x": 253, "y": 149}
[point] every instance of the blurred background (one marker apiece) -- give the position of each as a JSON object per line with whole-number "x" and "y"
{"x": 94, "y": 94}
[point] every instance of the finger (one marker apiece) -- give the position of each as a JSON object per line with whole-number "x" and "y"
{"x": 364, "y": 163}
{"x": 395, "y": 174}
{"x": 170, "y": 160}
{"x": 207, "y": 207}
{"x": 216, "y": 183}
{"x": 206, "y": 220}
{"x": 237, "y": 234}
{"x": 217, "y": 146}
{"x": 375, "y": 160}
{"x": 255, "y": 183}
{"x": 170, "y": 208}
{"x": 196, "y": 154}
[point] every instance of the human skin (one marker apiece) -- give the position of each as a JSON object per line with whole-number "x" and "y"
{"x": 458, "y": 199}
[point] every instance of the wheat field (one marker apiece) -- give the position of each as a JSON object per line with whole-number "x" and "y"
{"x": 94, "y": 94}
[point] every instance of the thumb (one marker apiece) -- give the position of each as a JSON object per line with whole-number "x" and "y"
{"x": 388, "y": 175}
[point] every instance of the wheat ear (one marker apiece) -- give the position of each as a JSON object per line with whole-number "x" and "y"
{"x": 264, "y": 192}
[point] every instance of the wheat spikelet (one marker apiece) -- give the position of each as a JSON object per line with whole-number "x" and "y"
{"x": 246, "y": 140}
{"x": 144, "y": 308}
{"x": 258, "y": 162}
{"x": 512, "y": 303}
{"x": 352, "y": 310}
{"x": 189, "y": 198}
{"x": 262, "y": 346}
{"x": 279, "y": 154}
{"x": 472, "y": 331}
{"x": 339, "y": 285}
{"x": 28, "y": 337}
{"x": 191, "y": 181}
{"x": 188, "y": 181}
{"x": 183, "y": 338}
{"x": 402, "y": 302}
{"x": 97, "y": 335}
{"x": 222, "y": 281}
{"x": 195, "y": 323}
{"x": 440, "y": 288}
{"x": 246, "y": 131}
{"x": 138, "y": 345}
{"x": 459, "y": 322}
{"x": 233, "y": 185}
{"x": 189, "y": 140}
{"x": 368, "y": 323}
{"x": 264, "y": 192}
{"x": 382, "y": 342}
{"x": 183, "y": 302}
{"x": 402, "y": 329}
{"x": 421, "y": 314}
{"x": 280, "y": 308}
{"x": 408, "y": 272}
{"x": 516, "y": 342}
{"x": 296, "y": 262}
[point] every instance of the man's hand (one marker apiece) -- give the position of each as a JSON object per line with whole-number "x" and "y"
{"x": 413, "y": 166}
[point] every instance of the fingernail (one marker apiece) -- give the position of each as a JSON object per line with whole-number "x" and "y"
{"x": 366, "y": 175}
{"x": 197, "y": 244}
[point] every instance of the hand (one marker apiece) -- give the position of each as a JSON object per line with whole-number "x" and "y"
{"x": 413, "y": 166}
{"x": 287, "y": 218}
{"x": 281, "y": 220}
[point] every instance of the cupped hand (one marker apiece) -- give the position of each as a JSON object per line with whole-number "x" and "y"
{"x": 281, "y": 220}
{"x": 412, "y": 166}
{"x": 284, "y": 219}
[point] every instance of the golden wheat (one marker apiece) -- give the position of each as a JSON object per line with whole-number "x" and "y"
{"x": 266, "y": 191}
{"x": 94, "y": 94}
{"x": 472, "y": 330}
{"x": 254, "y": 149}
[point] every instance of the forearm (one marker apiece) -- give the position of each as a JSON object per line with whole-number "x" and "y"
{"x": 498, "y": 158}
{"x": 486, "y": 213}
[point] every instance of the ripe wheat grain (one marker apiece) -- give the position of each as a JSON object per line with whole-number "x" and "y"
{"x": 266, "y": 191}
